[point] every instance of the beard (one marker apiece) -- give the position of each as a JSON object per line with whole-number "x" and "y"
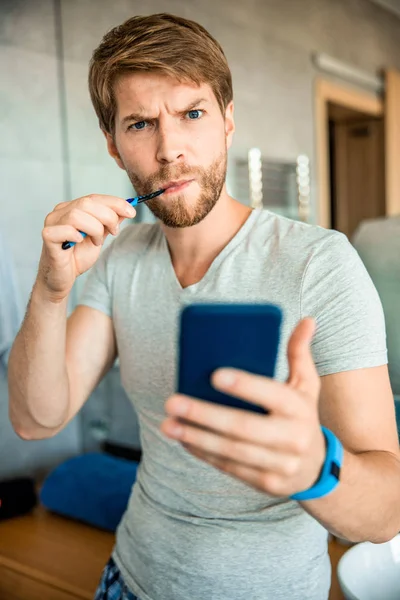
{"x": 176, "y": 212}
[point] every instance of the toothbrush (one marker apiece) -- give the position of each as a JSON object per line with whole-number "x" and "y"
{"x": 132, "y": 202}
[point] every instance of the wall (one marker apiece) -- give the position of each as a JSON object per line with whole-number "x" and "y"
{"x": 50, "y": 145}
{"x": 268, "y": 45}
{"x": 31, "y": 182}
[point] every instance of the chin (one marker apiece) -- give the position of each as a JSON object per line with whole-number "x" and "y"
{"x": 180, "y": 211}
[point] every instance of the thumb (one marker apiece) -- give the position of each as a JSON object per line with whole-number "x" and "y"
{"x": 302, "y": 372}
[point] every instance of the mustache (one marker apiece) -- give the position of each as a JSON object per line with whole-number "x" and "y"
{"x": 165, "y": 174}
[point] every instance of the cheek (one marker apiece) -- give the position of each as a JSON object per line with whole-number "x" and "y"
{"x": 140, "y": 162}
{"x": 210, "y": 143}
{"x": 133, "y": 152}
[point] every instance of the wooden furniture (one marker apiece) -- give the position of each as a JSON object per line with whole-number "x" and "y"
{"x": 46, "y": 557}
{"x": 336, "y": 552}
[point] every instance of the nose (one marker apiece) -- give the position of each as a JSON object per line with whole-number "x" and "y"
{"x": 170, "y": 146}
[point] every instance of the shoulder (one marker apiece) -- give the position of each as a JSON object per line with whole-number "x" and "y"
{"x": 299, "y": 240}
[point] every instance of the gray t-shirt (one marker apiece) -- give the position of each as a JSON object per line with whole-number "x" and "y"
{"x": 191, "y": 532}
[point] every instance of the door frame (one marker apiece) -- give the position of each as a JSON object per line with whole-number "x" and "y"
{"x": 392, "y": 141}
{"x": 326, "y": 92}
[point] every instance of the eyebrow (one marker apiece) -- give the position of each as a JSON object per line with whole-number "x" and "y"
{"x": 140, "y": 116}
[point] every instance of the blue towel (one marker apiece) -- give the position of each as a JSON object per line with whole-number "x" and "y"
{"x": 93, "y": 488}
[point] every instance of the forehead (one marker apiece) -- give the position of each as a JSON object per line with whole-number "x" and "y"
{"x": 149, "y": 92}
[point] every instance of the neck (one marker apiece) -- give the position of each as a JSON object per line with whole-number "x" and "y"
{"x": 193, "y": 249}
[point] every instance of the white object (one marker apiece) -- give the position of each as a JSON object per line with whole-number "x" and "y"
{"x": 371, "y": 571}
{"x": 255, "y": 177}
{"x": 377, "y": 241}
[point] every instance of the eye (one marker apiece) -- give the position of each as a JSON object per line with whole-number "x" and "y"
{"x": 195, "y": 114}
{"x": 138, "y": 126}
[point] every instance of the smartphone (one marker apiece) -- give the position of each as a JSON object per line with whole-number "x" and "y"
{"x": 242, "y": 336}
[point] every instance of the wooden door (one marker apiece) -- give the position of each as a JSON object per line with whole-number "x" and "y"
{"x": 359, "y": 173}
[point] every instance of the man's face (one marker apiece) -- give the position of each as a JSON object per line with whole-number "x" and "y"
{"x": 168, "y": 132}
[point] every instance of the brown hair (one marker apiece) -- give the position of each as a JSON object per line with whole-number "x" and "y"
{"x": 164, "y": 43}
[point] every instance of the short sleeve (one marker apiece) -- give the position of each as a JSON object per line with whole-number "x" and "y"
{"x": 97, "y": 288}
{"x": 338, "y": 292}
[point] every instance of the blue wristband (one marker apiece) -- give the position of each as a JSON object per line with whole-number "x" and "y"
{"x": 330, "y": 475}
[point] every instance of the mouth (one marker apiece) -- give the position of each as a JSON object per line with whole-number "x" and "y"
{"x": 174, "y": 187}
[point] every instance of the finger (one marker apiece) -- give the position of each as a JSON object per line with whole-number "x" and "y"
{"x": 118, "y": 205}
{"x": 57, "y": 234}
{"x": 266, "y": 481}
{"x": 102, "y": 205}
{"x": 272, "y": 395}
{"x": 61, "y": 205}
{"x": 269, "y": 430}
{"x": 85, "y": 222}
{"x": 248, "y": 454}
{"x": 106, "y": 215}
{"x": 303, "y": 374}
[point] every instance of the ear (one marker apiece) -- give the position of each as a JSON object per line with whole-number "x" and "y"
{"x": 113, "y": 150}
{"x": 229, "y": 124}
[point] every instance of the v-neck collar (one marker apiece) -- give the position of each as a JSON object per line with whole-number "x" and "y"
{"x": 231, "y": 245}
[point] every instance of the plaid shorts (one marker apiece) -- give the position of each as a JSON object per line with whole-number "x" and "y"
{"x": 112, "y": 585}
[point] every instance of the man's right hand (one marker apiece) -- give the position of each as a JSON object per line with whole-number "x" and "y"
{"x": 98, "y": 216}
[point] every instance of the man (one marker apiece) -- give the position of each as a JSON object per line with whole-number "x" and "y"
{"x": 214, "y": 512}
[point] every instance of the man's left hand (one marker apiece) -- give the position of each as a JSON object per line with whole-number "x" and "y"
{"x": 280, "y": 453}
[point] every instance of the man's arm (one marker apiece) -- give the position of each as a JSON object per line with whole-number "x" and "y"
{"x": 55, "y": 365}
{"x": 282, "y": 453}
{"x": 358, "y": 406}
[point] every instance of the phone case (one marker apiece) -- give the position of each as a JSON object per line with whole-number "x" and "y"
{"x": 242, "y": 336}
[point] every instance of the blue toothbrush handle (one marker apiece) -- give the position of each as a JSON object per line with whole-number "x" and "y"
{"x": 67, "y": 245}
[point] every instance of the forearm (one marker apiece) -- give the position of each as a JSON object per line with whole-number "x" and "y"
{"x": 38, "y": 379}
{"x": 365, "y": 505}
